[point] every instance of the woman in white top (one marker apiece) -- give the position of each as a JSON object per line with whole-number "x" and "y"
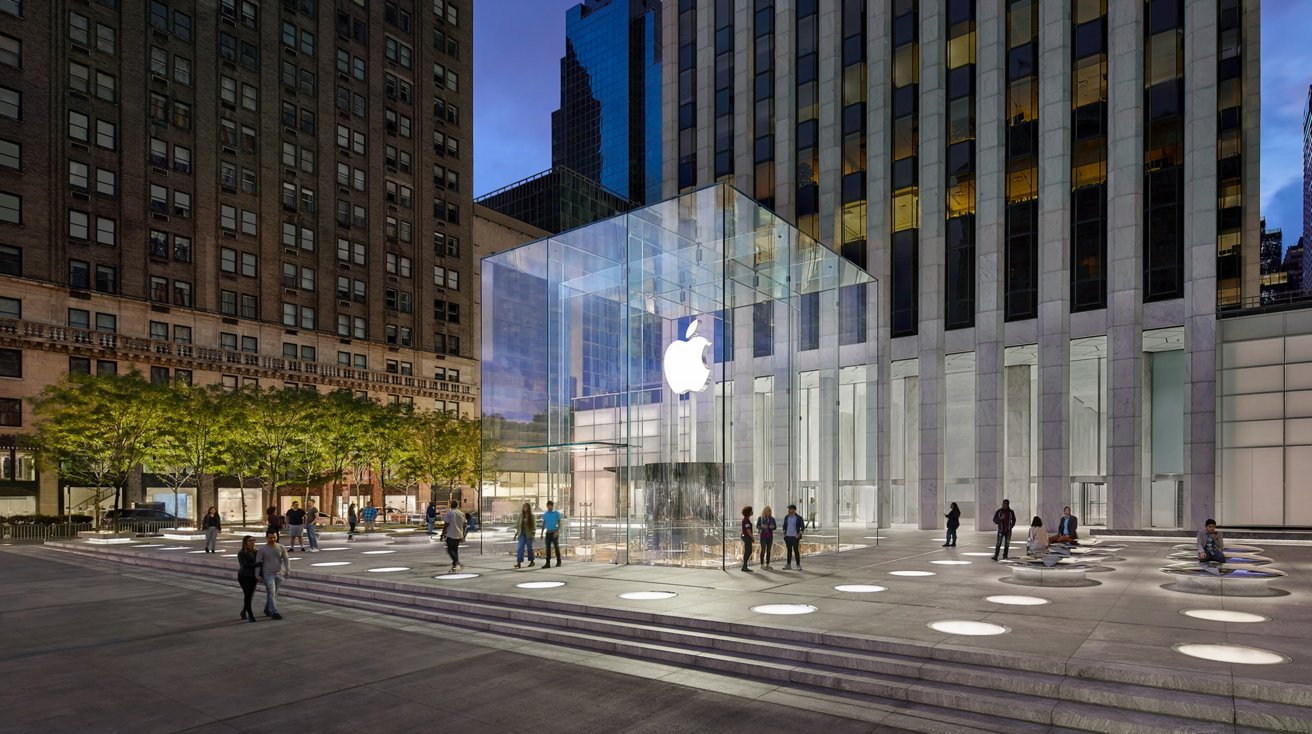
{"x": 1037, "y": 543}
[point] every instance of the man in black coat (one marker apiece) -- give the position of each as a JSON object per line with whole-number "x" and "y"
{"x": 1005, "y": 520}
{"x": 1066, "y": 528}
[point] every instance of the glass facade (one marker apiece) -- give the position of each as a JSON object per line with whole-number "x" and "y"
{"x": 1089, "y": 155}
{"x": 1229, "y": 154}
{"x": 763, "y": 102}
{"x": 556, "y": 200}
{"x": 687, "y": 145}
{"x": 904, "y": 290}
{"x": 608, "y": 126}
{"x": 613, "y": 384}
{"x": 1022, "y": 238}
{"x": 1163, "y": 150}
{"x": 808, "y": 117}
{"x": 724, "y": 90}
{"x": 959, "y": 245}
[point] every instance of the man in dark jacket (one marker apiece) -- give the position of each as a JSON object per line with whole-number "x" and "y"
{"x": 1005, "y": 520}
{"x": 1066, "y": 528}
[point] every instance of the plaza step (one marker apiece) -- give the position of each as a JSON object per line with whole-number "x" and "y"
{"x": 978, "y": 689}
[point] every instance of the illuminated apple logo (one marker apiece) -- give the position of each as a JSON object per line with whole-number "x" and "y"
{"x": 684, "y": 369}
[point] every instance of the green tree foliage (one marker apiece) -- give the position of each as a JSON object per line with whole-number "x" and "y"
{"x": 97, "y": 431}
{"x": 188, "y": 447}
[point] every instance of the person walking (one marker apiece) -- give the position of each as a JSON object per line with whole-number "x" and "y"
{"x": 430, "y": 516}
{"x": 273, "y": 521}
{"x": 793, "y": 527}
{"x": 211, "y": 525}
{"x": 1211, "y": 546}
{"x": 765, "y": 525}
{"x": 528, "y": 528}
{"x": 453, "y": 531}
{"x": 954, "y": 522}
{"x": 247, "y": 572}
{"x": 747, "y": 537}
{"x": 312, "y": 525}
{"x": 551, "y": 533}
{"x": 352, "y": 519}
{"x": 275, "y": 568}
{"x": 369, "y": 514}
{"x": 1005, "y": 520}
{"x": 296, "y": 526}
{"x": 1036, "y": 544}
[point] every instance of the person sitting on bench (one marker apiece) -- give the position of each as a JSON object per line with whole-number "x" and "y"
{"x": 1066, "y": 528}
{"x": 1037, "y": 542}
{"x": 1210, "y": 543}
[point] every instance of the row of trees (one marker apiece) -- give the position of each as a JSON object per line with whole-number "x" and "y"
{"x": 97, "y": 431}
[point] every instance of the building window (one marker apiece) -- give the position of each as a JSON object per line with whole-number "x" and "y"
{"x": 1020, "y": 246}
{"x": 1163, "y": 164}
{"x": 904, "y": 111}
{"x": 11, "y": 412}
{"x": 11, "y": 363}
{"x": 11, "y": 308}
{"x": 11, "y": 208}
{"x": 79, "y": 274}
{"x": 107, "y": 322}
{"x": 106, "y": 279}
{"x": 11, "y": 260}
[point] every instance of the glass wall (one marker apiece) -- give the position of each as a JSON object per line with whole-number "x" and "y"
{"x": 613, "y": 384}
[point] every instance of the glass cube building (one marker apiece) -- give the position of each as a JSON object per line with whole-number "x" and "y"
{"x": 655, "y": 372}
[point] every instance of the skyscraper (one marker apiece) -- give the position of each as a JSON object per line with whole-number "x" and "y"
{"x": 1054, "y": 197}
{"x": 608, "y": 127}
{"x": 236, "y": 193}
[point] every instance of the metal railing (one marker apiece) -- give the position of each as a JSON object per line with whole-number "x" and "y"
{"x": 1264, "y": 303}
{"x": 24, "y": 531}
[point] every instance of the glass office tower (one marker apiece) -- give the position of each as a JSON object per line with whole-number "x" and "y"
{"x": 655, "y": 372}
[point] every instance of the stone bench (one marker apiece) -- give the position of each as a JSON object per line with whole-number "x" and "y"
{"x": 1244, "y": 549}
{"x": 1222, "y": 579}
{"x": 1034, "y": 572}
{"x": 1244, "y": 560}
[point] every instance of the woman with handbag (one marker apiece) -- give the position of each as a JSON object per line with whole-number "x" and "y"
{"x": 528, "y": 527}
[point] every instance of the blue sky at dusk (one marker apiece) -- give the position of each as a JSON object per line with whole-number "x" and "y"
{"x": 518, "y": 45}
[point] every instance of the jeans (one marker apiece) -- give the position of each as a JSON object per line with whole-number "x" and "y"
{"x": 952, "y": 537}
{"x": 525, "y": 541}
{"x": 271, "y": 581}
{"x": 1003, "y": 544}
{"x": 767, "y": 544}
{"x": 1214, "y": 555}
{"x": 794, "y": 551}
{"x": 453, "y": 550}
{"x": 747, "y": 551}
{"x": 553, "y": 539}
{"x": 431, "y": 522}
{"x": 247, "y": 591}
{"x": 211, "y": 538}
{"x": 313, "y": 535}
{"x": 350, "y": 531}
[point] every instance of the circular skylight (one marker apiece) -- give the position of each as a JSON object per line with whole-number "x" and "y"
{"x": 859, "y": 588}
{"x": 963, "y": 627}
{"x": 977, "y": 554}
{"x": 199, "y": 551}
{"x": 1225, "y": 653}
{"x": 332, "y": 563}
{"x": 912, "y": 573}
{"x": 539, "y": 584}
{"x": 389, "y": 569}
{"x": 1017, "y": 600}
{"x": 647, "y": 595}
{"x": 1224, "y": 615}
{"x": 455, "y": 576}
{"x": 784, "y": 609}
{"x": 149, "y": 545}
{"x": 951, "y": 563}
{"x": 377, "y": 553}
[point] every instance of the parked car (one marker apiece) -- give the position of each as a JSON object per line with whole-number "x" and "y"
{"x": 143, "y": 521}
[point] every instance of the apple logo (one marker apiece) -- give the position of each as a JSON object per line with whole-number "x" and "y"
{"x": 683, "y": 366}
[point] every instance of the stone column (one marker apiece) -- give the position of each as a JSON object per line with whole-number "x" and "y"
{"x": 1054, "y": 254}
{"x": 1125, "y": 264}
{"x": 990, "y": 203}
{"x": 1016, "y": 486}
{"x": 933, "y": 397}
{"x": 911, "y": 451}
{"x": 1200, "y": 263}
{"x": 878, "y": 146}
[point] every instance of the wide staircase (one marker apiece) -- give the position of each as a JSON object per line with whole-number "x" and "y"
{"x": 934, "y": 688}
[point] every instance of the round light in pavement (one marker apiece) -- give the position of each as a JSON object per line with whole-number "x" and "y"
{"x": 389, "y": 569}
{"x": 149, "y": 545}
{"x": 176, "y": 547}
{"x": 784, "y": 609}
{"x": 951, "y": 563}
{"x": 199, "y": 551}
{"x": 976, "y": 554}
{"x": 377, "y": 553}
{"x": 1225, "y": 653}
{"x": 228, "y": 555}
{"x": 331, "y": 563}
{"x": 912, "y": 573}
{"x": 1224, "y": 615}
{"x": 859, "y": 588}
{"x": 964, "y": 627}
{"x": 1017, "y": 600}
{"x": 539, "y": 584}
{"x": 647, "y": 595}
{"x": 331, "y": 549}
{"x": 455, "y": 576}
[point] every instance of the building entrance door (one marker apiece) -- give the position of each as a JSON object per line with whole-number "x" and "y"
{"x": 1090, "y": 497}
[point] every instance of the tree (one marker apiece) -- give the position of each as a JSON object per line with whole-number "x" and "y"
{"x": 384, "y": 445}
{"x": 265, "y": 438}
{"x": 187, "y": 449}
{"x": 445, "y": 451}
{"x": 96, "y": 431}
{"x": 343, "y": 432}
